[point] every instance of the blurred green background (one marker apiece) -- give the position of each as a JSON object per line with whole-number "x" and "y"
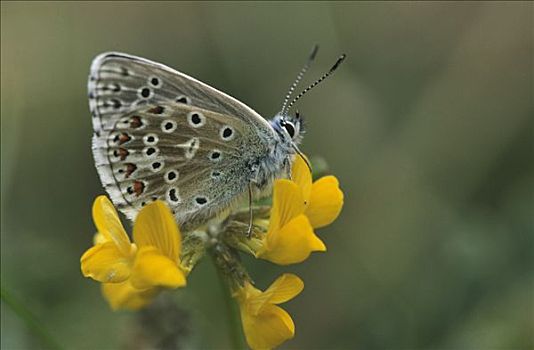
{"x": 428, "y": 125}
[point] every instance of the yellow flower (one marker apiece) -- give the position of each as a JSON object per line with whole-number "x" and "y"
{"x": 112, "y": 256}
{"x": 290, "y": 238}
{"x": 124, "y": 296}
{"x": 299, "y": 206}
{"x": 265, "y": 324}
{"x": 131, "y": 273}
{"x": 323, "y": 198}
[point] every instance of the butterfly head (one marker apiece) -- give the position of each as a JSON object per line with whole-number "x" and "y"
{"x": 288, "y": 127}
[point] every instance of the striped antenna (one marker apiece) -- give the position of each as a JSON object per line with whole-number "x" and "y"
{"x": 315, "y": 83}
{"x": 299, "y": 77}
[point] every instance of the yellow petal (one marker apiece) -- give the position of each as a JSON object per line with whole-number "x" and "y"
{"x": 266, "y": 325}
{"x": 300, "y": 173}
{"x": 105, "y": 263}
{"x": 325, "y": 203}
{"x": 154, "y": 269}
{"x": 99, "y": 238}
{"x": 247, "y": 293}
{"x": 291, "y": 244}
{"x": 155, "y": 226}
{"x": 270, "y": 328}
{"x": 254, "y": 298}
{"x": 287, "y": 203}
{"x": 109, "y": 225}
{"x": 125, "y": 296}
{"x": 285, "y": 288}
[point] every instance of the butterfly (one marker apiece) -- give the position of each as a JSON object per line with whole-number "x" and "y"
{"x": 160, "y": 134}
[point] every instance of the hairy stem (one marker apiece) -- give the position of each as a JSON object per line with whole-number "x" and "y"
{"x": 232, "y": 310}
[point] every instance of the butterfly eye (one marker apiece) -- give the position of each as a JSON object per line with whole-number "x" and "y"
{"x": 289, "y": 128}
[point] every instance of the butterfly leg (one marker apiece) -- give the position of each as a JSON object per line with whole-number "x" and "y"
{"x": 287, "y": 167}
{"x": 249, "y": 231}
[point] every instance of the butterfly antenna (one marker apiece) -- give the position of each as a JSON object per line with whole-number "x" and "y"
{"x": 315, "y": 83}
{"x": 299, "y": 77}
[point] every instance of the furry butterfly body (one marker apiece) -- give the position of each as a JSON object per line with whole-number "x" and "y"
{"x": 160, "y": 134}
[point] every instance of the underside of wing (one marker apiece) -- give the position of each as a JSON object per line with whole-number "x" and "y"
{"x": 119, "y": 82}
{"x": 195, "y": 160}
{"x": 160, "y": 134}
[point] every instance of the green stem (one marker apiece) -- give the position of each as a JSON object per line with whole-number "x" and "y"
{"x": 232, "y": 310}
{"x": 29, "y": 319}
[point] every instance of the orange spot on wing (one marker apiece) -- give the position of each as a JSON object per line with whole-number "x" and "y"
{"x": 123, "y": 153}
{"x": 138, "y": 187}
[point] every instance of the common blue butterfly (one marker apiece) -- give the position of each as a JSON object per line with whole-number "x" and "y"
{"x": 161, "y": 134}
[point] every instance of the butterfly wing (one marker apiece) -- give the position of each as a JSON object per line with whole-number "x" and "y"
{"x": 120, "y": 82}
{"x": 182, "y": 141}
